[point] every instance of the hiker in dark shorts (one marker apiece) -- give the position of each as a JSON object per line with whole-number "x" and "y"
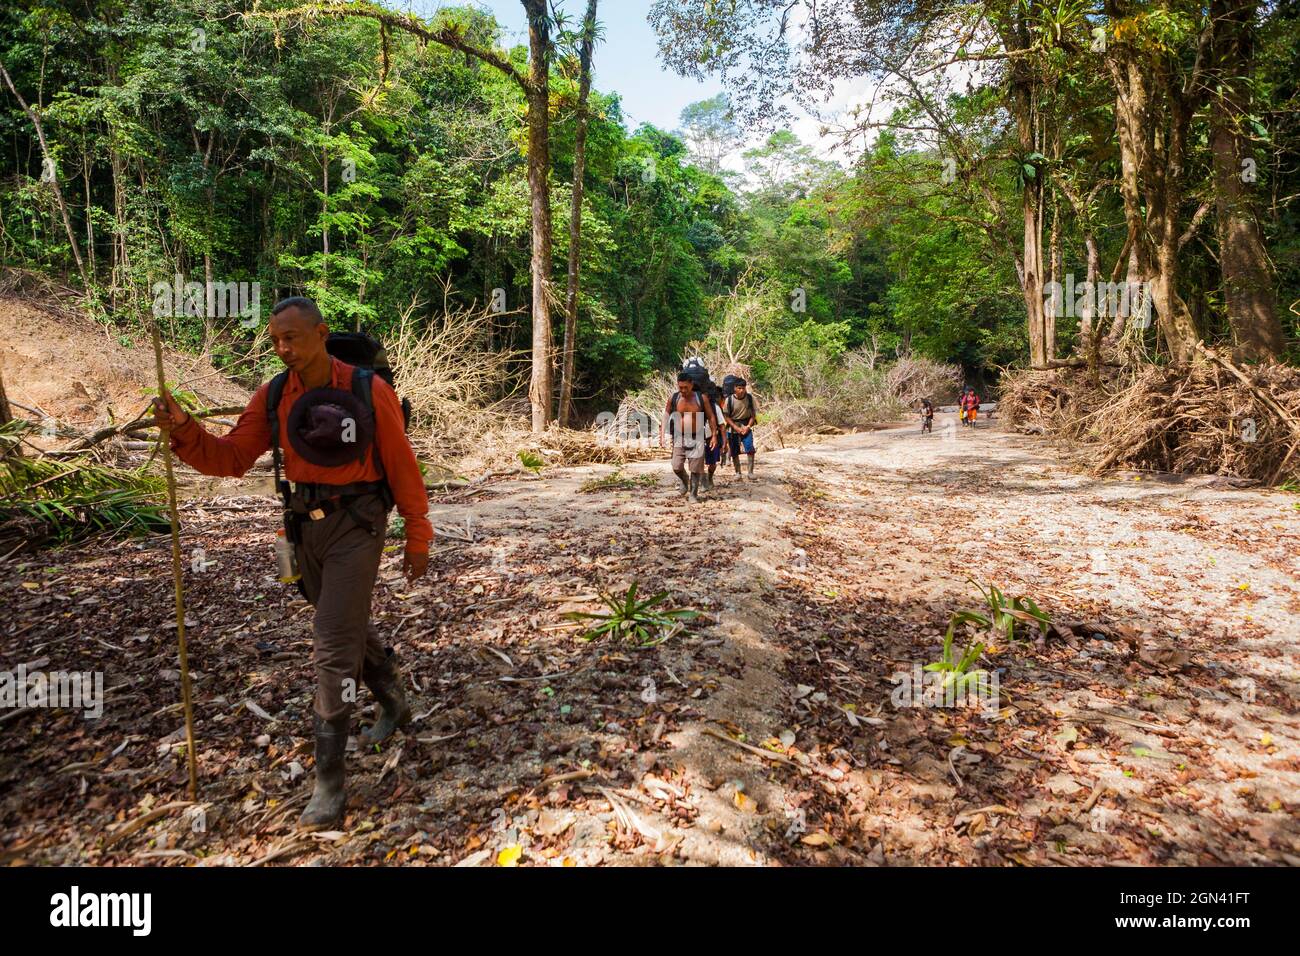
{"x": 715, "y": 453}
{"x": 348, "y": 465}
{"x": 927, "y": 416}
{"x": 741, "y": 414}
{"x": 685, "y": 417}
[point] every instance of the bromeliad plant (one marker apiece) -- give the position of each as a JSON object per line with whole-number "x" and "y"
{"x": 957, "y": 672}
{"x": 639, "y": 620}
{"x": 998, "y": 623}
{"x": 1004, "y": 612}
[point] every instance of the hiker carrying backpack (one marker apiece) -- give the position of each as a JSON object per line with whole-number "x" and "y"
{"x": 339, "y": 437}
{"x": 368, "y": 359}
{"x": 703, "y": 386}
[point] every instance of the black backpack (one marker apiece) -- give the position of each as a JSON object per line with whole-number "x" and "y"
{"x": 365, "y": 352}
{"x": 699, "y": 376}
{"x": 729, "y": 385}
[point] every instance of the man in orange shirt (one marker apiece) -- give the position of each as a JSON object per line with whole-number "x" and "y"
{"x": 348, "y": 465}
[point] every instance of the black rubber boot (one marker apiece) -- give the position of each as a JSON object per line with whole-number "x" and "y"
{"x": 681, "y": 476}
{"x": 708, "y": 482}
{"x": 385, "y": 682}
{"x": 695, "y": 487}
{"x": 751, "y": 468}
{"x": 328, "y": 798}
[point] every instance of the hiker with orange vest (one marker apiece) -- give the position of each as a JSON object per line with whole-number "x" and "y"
{"x": 346, "y": 453}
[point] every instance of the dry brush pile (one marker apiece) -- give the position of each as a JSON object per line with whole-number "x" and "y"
{"x": 468, "y": 415}
{"x": 1209, "y": 417}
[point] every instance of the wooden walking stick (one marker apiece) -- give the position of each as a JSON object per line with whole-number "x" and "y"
{"x": 164, "y": 439}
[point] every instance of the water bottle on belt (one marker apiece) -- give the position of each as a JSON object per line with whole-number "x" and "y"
{"x": 286, "y": 559}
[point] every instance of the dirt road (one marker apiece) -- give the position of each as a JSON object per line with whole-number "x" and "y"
{"x": 766, "y": 733}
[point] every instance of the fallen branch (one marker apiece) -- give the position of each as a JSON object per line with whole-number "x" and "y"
{"x": 107, "y": 432}
{"x": 758, "y": 751}
{"x": 124, "y": 831}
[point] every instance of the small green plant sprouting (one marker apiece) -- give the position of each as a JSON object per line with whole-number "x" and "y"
{"x": 617, "y": 481}
{"x": 639, "y": 620}
{"x": 1004, "y": 612}
{"x": 186, "y": 399}
{"x": 957, "y": 671}
{"x": 533, "y": 463}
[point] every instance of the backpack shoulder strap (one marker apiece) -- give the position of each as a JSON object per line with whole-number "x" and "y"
{"x": 363, "y": 382}
{"x": 274, "y": 392}
{"x": 363, "y": 387}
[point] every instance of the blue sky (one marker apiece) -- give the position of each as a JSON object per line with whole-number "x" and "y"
{"x": 626, "y": 62}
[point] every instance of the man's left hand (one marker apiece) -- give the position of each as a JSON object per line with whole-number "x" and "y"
{"x": 415, "y": 564}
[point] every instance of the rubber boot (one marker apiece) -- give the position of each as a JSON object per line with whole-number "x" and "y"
{"x": 695, "y": 487}
{"x": 328, "y": 798}
{"x": 708, "y": 481}
{"x": 681, "y": 476}
{"x": 385, "y": 682}
{"x": 751, "y": 467}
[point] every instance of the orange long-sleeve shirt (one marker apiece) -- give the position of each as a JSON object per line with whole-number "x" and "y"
{"x": 235, "y": 453}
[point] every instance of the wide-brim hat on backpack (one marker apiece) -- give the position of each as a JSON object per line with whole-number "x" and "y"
{"x": 330, "y": 427}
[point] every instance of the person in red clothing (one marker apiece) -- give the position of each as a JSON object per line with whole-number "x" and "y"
{"x": 970, "y": 407}
{"x": 346, "y": 474}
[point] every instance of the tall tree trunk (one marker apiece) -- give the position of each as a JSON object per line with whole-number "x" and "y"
{"x": 90, "y": 219}
{"x": 209, "y": 300}
{"x": 47, "y": 163}
{"x": 1130, "y": 114}
{"x": 1032, "y": 274}
{"x": 539, "y": 165}
{"x": 324, "y": 210}
{"x": 575, "y": 217}
{"x": 6, "y": 416}
{"x": 1151, "y": 116}
{"x": 1053, "y": 275}
{"x": 1022, "y": 103}
{"x": 1248, "y": 290}
{"x": 1164, "y": 201}
{"x": 1088, "y": 312}
{"x": 121, "y": 255}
